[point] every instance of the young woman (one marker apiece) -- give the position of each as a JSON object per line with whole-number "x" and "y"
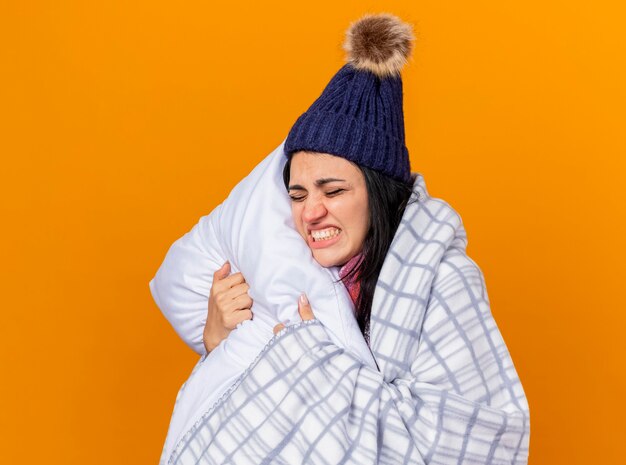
{"x": 443, "y": 388}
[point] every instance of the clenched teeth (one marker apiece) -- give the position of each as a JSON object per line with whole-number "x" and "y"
{"x": 325, "y": 234}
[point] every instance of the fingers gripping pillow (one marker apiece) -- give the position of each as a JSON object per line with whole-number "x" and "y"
{"x": 254, "y": 230}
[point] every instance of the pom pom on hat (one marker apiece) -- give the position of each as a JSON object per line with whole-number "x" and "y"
{"x": 380, "y": 43}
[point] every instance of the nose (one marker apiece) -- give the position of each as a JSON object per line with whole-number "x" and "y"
{"x": 314, "y": 210}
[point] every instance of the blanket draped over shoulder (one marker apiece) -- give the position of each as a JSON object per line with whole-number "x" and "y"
{"x": 445, "y": 391}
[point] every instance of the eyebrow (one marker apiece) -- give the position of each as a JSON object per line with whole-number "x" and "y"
{"x": 318, "y": 183}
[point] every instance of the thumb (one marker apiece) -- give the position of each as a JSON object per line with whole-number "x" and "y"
{"x": 223, "y": 272}
{"x": 304, "y": 308}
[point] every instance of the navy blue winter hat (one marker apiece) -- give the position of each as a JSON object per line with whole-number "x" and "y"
{"x": 359, "y": 114}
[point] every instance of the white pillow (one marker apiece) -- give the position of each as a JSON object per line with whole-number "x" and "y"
{"x": 254, "y": 230}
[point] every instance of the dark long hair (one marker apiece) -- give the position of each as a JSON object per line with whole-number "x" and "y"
{"x": 387, "y": 199}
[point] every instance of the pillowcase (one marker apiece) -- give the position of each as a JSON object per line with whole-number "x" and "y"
{"x": 253, "y": 229}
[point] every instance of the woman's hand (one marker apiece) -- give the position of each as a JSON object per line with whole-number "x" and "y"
{"x": 229, "y": 305}
{"x": 304, "y": 309}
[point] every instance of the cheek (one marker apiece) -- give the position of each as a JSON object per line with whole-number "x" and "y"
{"x": 354, "y": 216}
{"x": 362, "y": 219}
{"x": 363, "y": 225}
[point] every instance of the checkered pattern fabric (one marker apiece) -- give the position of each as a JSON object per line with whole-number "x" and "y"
{"x": 445, "y": 391}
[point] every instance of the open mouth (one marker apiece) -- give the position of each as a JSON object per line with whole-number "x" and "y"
{"x": 321, "y": 235}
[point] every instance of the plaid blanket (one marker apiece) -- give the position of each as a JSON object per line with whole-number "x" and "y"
{"x": 445, "y": 390}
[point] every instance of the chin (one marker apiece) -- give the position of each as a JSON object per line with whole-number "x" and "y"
{"x": 327, "y": 261}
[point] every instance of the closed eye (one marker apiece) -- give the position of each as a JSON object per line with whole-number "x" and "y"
{"x": 335, "y": 192}
{"x": 300, "y": 198}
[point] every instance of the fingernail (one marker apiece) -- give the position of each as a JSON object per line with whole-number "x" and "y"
{"x": 303, "y": 299}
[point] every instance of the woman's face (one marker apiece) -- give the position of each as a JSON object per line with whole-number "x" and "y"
{"x": 329, "y": 206}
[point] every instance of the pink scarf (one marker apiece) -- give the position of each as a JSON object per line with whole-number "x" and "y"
{"x": 352, "y": 284}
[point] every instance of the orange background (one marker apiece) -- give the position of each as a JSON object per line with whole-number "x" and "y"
{"x": 124, "y": 122}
